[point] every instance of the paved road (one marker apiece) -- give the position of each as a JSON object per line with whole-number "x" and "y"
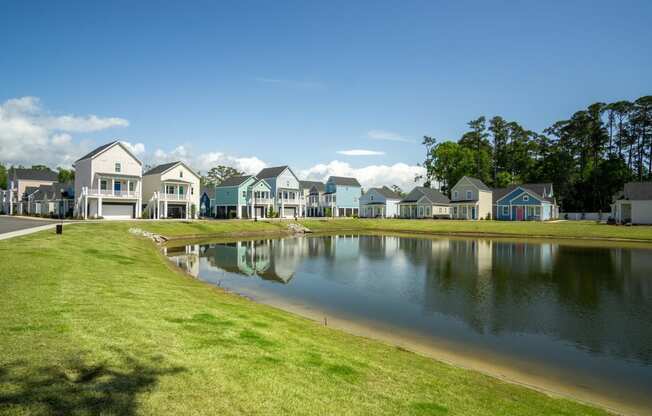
{"x": 9, "y": 224}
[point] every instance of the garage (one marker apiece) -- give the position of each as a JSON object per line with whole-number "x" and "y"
{"x": 289, "y": 212}
{"x": 176, "y": 211}
{"x": 117, "y": 211}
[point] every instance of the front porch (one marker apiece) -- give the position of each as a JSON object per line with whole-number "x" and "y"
{"x": 464, "y": 211}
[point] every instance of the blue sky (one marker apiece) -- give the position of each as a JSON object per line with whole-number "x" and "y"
{"x": 298, "y": 82}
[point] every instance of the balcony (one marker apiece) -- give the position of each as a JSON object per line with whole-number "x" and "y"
{"x": 108, "y": 193}
{"x": 260, "y": 201}
{"x": 174, "y": 197}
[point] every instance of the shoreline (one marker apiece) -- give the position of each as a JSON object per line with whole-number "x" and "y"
{"x": 526, "y": 376}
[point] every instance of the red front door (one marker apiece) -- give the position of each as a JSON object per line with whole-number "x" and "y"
{"x": 519, "y": 213}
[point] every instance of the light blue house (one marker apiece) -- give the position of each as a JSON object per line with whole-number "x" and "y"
{"x": 527, "y": 202}
{"x": 341, "y": 197}
{"x": 286, "y": 193}
{"x": 243, "y": 197}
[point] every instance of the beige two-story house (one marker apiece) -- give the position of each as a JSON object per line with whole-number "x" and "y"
{"x": 171, "y": 190}
{"x": 108, "y": 183}
{"x": 471, "y": 199}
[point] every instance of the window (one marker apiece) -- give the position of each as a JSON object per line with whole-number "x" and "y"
{"x": 421, "y": 211}
{"x": 505, "y": 210}
{"x": 103, "y": 184}
{"x": 169, "y": 189}
{"x": 455, "y": 194}
{"x": 118, "y": 167}
{"x": 244, "y": 194}
{"x": 427, "y": 211}
{"x": 526, "y": 198}
{"x": 537, "y": 211}
{"x": 181, "y": 174}
{"x": 132, "y": 186}
{"x": 192, "y": 190}
{"x": 469, "y": 194}
{"x": 181, "y": 190}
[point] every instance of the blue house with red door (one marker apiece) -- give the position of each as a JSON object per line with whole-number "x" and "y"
{"x": 527, "y": 202}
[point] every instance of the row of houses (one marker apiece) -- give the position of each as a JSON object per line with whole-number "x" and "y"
{"x": 110, "y": 183}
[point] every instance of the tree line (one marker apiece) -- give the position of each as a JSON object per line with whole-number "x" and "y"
{"x": 587, "y": 157}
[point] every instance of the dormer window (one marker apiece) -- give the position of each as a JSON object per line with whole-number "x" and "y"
{"x": 526, "y": 198}
{"x": 469, "y": 194}
{"x": 181, "y": 174}
{"x": 118, "y": 167}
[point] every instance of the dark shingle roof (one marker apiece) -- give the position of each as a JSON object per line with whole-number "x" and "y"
{"x": 433, "y": 195}
{"x": 161, "y": 168}
{"x": 234, "y": 181}
{"x": 478, "y": 183}
{"x": 638, "y": 190}
{"x": 344, "y": 181}
{"x": 271, "y": 172}
{"x": 33, "y": 174}
{"x": 97, "y": 150}
{"x": 309, "y": 184}
{"x": 387, "y": 193}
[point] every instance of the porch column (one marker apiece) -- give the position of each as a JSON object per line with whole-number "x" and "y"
{"x": 99, "y": 207}
{"x": 187, "y": 211}
{"x": 165, "y": 209}
{"x": 238, "y": 213}
{"x": 112, "y": 186}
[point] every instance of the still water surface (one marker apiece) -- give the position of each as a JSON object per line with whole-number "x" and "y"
{"x": 565, "y": 313}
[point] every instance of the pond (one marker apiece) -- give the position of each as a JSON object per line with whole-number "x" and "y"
{"x": 571, "y": 318}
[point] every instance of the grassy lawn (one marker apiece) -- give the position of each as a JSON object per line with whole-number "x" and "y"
{"x": 95, "y": 321}
{"x": 566, "y": 229}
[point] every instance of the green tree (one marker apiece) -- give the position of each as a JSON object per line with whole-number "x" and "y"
{"x": 477, "y": 141}
{"x": 219, "y": 174}
{"x": 66, "y": 175}
{"x": 3, "y": 177}
{"x": 447, "y": 162}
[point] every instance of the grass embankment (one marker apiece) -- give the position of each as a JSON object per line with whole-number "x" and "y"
{"x": 564, "y": 229}
{"x": 95, "y": 321}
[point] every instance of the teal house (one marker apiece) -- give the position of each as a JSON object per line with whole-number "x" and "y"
{"x": 342, "y": 197}
{"x": 243, "y": 197}
{"x": 527, "y": 202}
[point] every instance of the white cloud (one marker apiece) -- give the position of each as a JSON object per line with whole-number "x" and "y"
{"x": 360, "y": 152}
{"x": 204, "y": 161}
{"x": 399, "y": 174}
{"x": 138, "y": 149}
{"x": 31, "y": 135}
{"x": 388, "y": 136}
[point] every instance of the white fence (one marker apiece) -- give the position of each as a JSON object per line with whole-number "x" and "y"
{"x": 580, "y": 216}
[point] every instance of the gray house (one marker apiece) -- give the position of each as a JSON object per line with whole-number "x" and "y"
{"x": 633, "y": 204}
{"x": 424, "y": 202}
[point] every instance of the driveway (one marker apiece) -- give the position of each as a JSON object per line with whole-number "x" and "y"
{"x": 11, "y": 225}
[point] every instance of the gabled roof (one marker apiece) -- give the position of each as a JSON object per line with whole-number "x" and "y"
{"x": 309, "y": 184}
{"x": 33, "y": 174}
{"x": 209, "y": 191}
{"x": 539, "y": 190}
{"x": 272, "y": 172}
{"x": 344, "y": 181}
{"x": 386, "y": 192}
{"x": 638, "y": 191}
{"x": 160, "y": 169}
{"x": 431, "y": 194}
{"x": 106, "y": 147}
{"x": 55, "y": 191}
{"x": 234, "y": 181}
{"x": 476, "y": 182}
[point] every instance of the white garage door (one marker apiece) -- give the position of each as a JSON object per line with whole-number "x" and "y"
{"x": 117, "y": 211}
{"x": 289, "y": 212}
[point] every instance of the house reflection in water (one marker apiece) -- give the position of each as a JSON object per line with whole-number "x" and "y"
{"x": 274, "y": 260}
{"x": 185, "y": 257}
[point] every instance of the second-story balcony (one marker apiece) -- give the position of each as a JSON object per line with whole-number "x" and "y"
{"x": 173, "y": 197}
{"x": 260, "y": 201}
{"x": 112, "y": 193}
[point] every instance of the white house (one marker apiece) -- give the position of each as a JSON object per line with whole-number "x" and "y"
{"x": 171, "y": 190}
{"x": 424, "y": 202}
{"x": 633, "y": 204}
{"x": 471, "y": 199}
{"x": 379, "y": 202}
{"x": 108, "y": 183}
{"x": 285, "y": 190}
